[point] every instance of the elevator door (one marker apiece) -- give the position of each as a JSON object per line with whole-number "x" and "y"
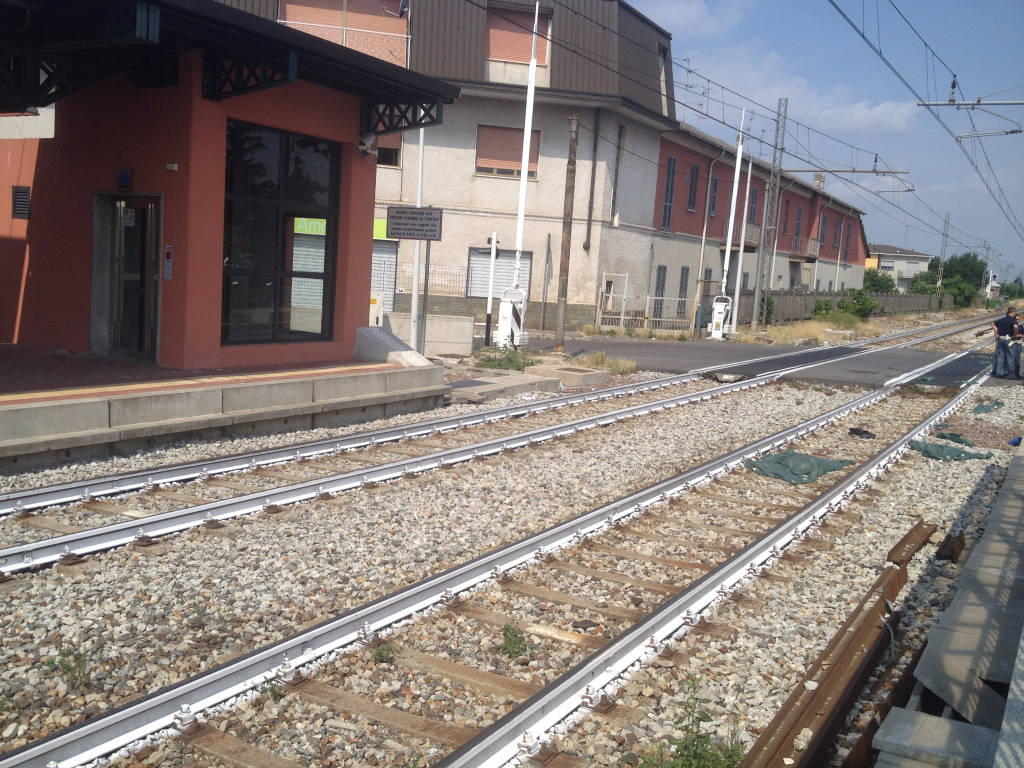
{"x": 135, "y": 278}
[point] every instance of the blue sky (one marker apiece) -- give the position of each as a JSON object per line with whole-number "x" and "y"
{"x": 835, "y": 83}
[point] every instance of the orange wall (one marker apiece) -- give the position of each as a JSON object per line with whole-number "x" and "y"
{"x": 113, "y": 125}
{"x": 17, "y": 167}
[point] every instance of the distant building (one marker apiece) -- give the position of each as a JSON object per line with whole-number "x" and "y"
{"x": 642, "y": 177}
{"x": 901, "y": 264}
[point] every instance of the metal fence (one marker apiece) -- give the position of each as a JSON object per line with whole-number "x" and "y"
{"x": 445, "y": 280}
{"x": 652, "y": 313}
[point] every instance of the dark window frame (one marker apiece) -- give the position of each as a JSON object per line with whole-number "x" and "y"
{"x": 285, "y": 208}
{"x": 691, "y": 196}
{"x": 752, "y": 207}
{"x": 713, "y": 204}
{"x": 21, "y": 202}
{"x": 684, "y": 288}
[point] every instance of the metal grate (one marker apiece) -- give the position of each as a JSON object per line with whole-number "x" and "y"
{"x": 20, "y": 202}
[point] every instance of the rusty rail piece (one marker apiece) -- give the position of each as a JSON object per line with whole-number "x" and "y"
{"x": 804, "y": 727}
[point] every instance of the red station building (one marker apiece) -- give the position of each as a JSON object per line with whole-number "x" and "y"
{"x": 203, "y": 202}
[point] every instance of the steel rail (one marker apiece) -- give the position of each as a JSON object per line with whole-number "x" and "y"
{"x": 84, "y": 490}
{"x": 985, "y": 320}
{"x": 158, "y": 711}
{"x": 23, "y": 557}
{"x": 519, "y": 734}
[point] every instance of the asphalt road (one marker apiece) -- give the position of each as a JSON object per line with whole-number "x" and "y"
{"x": 841, "y": 365}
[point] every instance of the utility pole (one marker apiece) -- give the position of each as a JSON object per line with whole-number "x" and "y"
{"x": 942, "y": 257}
{"x": 765, "y": 265}
{"x": 743, "y": 240}
{"x": 988, "y": 273}
{"x": 563, "y": 264}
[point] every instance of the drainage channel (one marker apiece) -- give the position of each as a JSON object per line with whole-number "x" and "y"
{"x": 85, "y": 490}
{"x": 158, "y": 711}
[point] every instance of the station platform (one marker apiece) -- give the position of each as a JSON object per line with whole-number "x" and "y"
{"x": 57, "y": 406}
{"x": 974, "y": 660}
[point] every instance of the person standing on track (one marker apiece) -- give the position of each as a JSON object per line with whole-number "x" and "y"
{"x": 1005, "y": 329}
{"x": 1015, "y": 349}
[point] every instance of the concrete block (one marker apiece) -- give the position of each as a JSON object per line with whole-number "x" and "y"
{"x": 379, "y": 345}
{"x": 413, "y": 378}
{"x": 248, "y": 397}
{"x": 570, "y": 376}
{"x": 351, "y": 385}
{"x": 36, "y": 419}
{"x": 1010, "y": 753}
{"x": 486, "y": 388}
{"x": 936, "y": 740}
{"x": 161, "y": 406}
{"x": 446, "y": 334}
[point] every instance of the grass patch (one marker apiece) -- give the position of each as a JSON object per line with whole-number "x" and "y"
{"x": 601, "y": 361}
{"x": 509, "y": 359}
{"x": 73, "y": 667}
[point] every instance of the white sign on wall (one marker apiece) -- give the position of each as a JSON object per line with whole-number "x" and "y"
{"x": 414, "y": 223}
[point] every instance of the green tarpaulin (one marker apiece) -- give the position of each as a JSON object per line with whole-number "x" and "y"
{"x": 953, "y": 437}
{"x": 945, "y": 452}
{"x": 988, "y": 407}
{"x": 795, "y": 467}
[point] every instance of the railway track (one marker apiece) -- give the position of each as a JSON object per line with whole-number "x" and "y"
{"x": 226, "y": 487}
{"x": 741, "y": 522}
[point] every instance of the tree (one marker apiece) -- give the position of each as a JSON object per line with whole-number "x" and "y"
{"x": 957, "y": 288}
{"x": 876, "y": 281}
{"x": 924, "y": 282}
{"x": 968, "y": 267}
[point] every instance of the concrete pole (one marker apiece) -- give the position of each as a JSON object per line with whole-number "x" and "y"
{"x": 839, "y": 253}
{"x": 414, "y": 325}
{"x": 703, "y": 241}
{"x": 743, "y": 240}
{"x": 563, "y": 264}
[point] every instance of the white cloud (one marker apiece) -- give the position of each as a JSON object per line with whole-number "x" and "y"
{"x": 864, "y": 117}
{"x": 699, "y": 18}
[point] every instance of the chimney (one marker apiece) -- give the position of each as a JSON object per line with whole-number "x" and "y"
{"x": 819, "y": 181}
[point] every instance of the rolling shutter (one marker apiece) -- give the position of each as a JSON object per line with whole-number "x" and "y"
{"x": 502, "y": 148}
{"x": 504, "y": 265}
{"x": 382, "y": 272}
{"x": 510, "y": 35}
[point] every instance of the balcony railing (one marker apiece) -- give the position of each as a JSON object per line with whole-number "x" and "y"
{"x": 751, "y": 237}
{"x": 796, "y": 246}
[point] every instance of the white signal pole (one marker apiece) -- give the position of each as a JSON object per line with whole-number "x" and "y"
{"x": 732, "y": 204}
{"x": 524, "y": 168}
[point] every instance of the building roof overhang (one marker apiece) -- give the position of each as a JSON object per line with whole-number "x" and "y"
{"x": 59, "y": 47}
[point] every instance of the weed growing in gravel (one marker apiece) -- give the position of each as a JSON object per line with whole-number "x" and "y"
{"x": 383, "y": 654}
{"x": 694, "y": 749}
{"x": 197, "y": 618}
{"x": 600, "y": 360}
{"x": 274, "y": 691}
{"x": 73, "y": 666}
{"x": 513, "y": 641}
{"x": 511, "y": 359}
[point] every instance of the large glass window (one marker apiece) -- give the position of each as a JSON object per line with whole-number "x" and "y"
{"x": 280, "y": 225}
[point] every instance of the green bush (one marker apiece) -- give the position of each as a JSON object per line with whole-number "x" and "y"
{"x": 860, "y": 305}
{"x": 839, "y": 319}
{"x": 822, "y": 307}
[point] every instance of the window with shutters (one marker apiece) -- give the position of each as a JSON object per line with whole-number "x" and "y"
{"x": 684, "y": 287}
{"x": 823, "y": 227}
{"x": 499, "y": 151}
{"x": 389, "y": 149}
{"x": 713, "y": 203}
{"x": 280, "y": 235}
{"x": 752, "y": 208}
{"x": 20, "y": 202}
{"x": 785, "y": 217}
{"x": 691, "y": 196}
{"x": 835, "y": 234}
{"x": 670, "y": 193}
{"x": 796, "y": 231}
{"x": 510, "y": 35}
